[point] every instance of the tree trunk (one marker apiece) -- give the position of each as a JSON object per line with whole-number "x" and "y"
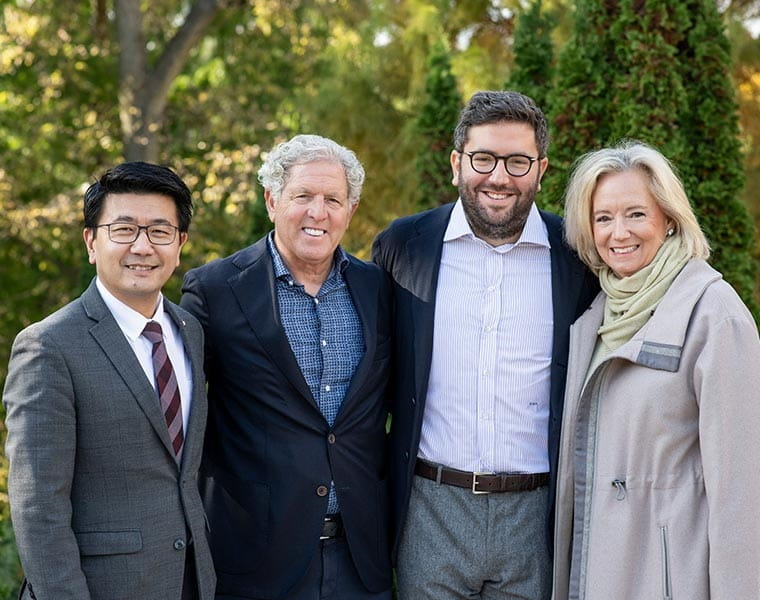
{"x": 144, "y": 90}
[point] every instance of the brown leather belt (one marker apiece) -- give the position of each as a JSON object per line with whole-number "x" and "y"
{"x": 482, "y": 483}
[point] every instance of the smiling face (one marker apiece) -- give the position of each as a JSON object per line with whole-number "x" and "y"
{"x": 628, "y": 225}
{"x": 310, "y": 217}
{"x": 497, "y": 204}
{"x": 135, "y": 273}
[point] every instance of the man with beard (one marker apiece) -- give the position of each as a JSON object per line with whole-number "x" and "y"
{"x": 485, "y": 291}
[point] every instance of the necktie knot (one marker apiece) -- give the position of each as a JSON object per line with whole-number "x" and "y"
{"x": 153, "y": 332}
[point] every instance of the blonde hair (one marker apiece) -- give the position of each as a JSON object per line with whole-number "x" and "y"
{"x": 662, "y": 181}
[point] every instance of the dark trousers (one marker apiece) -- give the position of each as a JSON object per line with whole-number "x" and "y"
{"x": 331, "y": 576}
{"x": 190, "y": 580}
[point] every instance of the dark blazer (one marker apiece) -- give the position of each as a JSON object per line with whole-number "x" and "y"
{"x": 269, "y": 450}
{"x": 410, "y": 251}
{"x": 100, "y": 509}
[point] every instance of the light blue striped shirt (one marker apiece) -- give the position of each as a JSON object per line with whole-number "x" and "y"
{"x": 487, "y": 406}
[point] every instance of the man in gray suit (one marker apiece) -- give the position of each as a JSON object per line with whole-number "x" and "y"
{"x": 106, "y": 411}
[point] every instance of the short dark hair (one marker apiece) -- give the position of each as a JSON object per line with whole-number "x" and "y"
{"x": 494, "y": 107}
{"x": 138, "y": 177}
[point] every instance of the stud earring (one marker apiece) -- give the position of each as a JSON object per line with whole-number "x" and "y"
{"x": 670, "y": 232}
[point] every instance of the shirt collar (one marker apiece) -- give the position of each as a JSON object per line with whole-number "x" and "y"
{"x": 340, "y": 259}
{"x": 130, "y": 321}
{"x": 534, "y": 231}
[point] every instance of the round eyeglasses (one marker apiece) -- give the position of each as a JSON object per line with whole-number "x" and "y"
{"x": 127, "y": 233}
{"x": 516, "y": 165}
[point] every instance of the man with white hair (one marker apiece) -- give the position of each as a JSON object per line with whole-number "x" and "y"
{"x": 297, "y": 356}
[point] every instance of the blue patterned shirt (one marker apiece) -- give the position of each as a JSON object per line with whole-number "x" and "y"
{"x": 324, "y": 332}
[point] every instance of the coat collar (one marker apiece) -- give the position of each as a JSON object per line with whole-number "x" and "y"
{"x": 255, "y": 292}
{"x": 254, "y": 288}
{"x": 659, "y": 343}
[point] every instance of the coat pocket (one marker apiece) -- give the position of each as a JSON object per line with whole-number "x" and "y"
{"x": 667, "y": 590}
{"x": 104, "y": 543}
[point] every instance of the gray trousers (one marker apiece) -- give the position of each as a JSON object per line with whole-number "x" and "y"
{"x": 458, "y": 545}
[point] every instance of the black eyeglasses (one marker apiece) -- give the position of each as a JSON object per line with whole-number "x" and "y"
{"x": 127, "y": 233}
{"x": 516, "y": 165}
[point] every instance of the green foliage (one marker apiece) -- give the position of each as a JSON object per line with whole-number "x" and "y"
{"x": 533, "y": 72}
{"x": 361, "y": 72}
{"x": 581, "y": 97}
{"x": 434, "y": 128}
{"x": 713, "y": 163}
{"x": 657, "y": 71}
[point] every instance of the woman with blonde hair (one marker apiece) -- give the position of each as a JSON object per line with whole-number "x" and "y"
{"x": 658, "y": 486}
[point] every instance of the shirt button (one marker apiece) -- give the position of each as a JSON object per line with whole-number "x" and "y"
{"x": 331, "y": 438}
{"x": 327, "y": 388}
{"x": 322, "y": 491}
{"x": 316, "y": 300}
{"x": 324, "y": 342}
{"x": 179, "y": 544}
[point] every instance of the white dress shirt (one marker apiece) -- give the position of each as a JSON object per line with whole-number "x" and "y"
{"x": 132, "y": 324}
{"x": 487, "y": 405}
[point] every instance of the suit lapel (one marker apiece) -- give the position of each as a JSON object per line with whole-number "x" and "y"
{"x": 567, "y": 278}
{"x": 109, "y": 336}
{"x": 364, "y": 290}
{"x": 193, "y": 349}
{"x": 423, "y": 255}
{"x": 256, "y": 294}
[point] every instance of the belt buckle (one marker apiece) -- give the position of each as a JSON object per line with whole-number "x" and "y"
{"x": 475, "y": 482}
{"x": 328, "y": 520}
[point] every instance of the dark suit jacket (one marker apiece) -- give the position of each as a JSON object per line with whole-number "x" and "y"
{"x": 100, "y": 508}
{"x": 410, "y": 251}
{"x": 269, "y": 454}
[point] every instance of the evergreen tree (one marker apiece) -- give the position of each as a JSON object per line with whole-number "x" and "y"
{"x": 713, "y": 166}
{"x": 434, "y": 129}
{"x": 581, "y": 98}
{"x": 647, "y": 93}
{"x": 658, "y": 71}
{"x": 534, "y": 54}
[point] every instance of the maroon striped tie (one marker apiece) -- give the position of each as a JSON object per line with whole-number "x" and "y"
{"x": 166, "y": 382}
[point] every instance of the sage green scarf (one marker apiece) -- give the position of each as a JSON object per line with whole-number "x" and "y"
{"x": 631, "y": 301}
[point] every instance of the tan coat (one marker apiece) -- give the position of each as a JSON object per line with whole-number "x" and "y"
{"x": 659, "y": 473}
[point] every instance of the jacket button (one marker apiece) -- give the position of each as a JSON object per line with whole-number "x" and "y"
{"x": 406, "y": 456}
{"x": 322, "y": 491}
{"x": 179, "y": 544}
{"x": 414, "y": 401}
{"x": 331, "y": 438}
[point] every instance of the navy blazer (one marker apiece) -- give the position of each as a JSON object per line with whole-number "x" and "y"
{"x": 269, "y": 456}
{"x": 410, "y": 251}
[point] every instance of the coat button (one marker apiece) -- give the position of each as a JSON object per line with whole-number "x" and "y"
{"x": 331, "y": 438}
{"x": 322, "y": 490}
{"x": 179, "y": 544}
{"x": 414, "y": 401}
{"x": 406, "y": 456}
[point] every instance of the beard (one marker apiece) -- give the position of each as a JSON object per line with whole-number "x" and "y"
{"x": 508, "y": 225}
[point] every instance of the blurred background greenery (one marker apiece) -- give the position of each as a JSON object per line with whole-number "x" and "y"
{"x": 207, "y": 86}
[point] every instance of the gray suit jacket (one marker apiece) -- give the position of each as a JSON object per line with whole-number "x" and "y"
{"x": 100, "y": 509}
